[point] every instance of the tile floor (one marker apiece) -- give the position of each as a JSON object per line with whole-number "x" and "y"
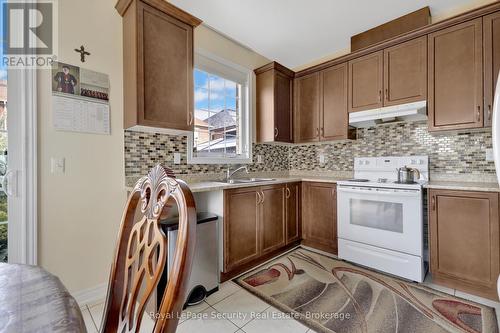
{"x": 233, "y": 309}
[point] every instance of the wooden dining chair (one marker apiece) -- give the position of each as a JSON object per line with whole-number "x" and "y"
{"x": 141, "y": 254}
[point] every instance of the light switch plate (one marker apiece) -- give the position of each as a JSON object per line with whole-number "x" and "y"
{"x": 177, "y": 158}
{"x": 489, "y": 154}
{"x": 57, "y": 165}
{"x": 322, "y": 158}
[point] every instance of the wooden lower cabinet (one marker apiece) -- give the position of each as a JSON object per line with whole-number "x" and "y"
{"x": 272, "y": 218}
{"x": 241, "y": 227}
{"x": 259, "y": 223}
{"x": 319, "y": 216}
{"x": 464, "y": 241}
{"x": 293, "y": 212}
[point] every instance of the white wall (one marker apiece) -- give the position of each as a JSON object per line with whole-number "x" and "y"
{"x": 80, "y": 211}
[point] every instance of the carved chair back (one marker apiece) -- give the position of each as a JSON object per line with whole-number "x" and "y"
{"x": 141, "y": 254}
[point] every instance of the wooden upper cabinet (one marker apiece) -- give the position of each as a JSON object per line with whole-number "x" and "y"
{"x": 456, "y": 77}
{"x": 272, "y": 218}
{"x": 158, "y": 64}
{"x": 405, "y": 72}
{"x": 319, "y": 216}
{"x": 274, "y": 103}
{"x": 491, "y": 36}
{"x": 307, "y": 107}
{"x": 293, "y": 212}
{"x": 366, "y": 82}
{"x": 334, "y": 118}
{"x": 241, "y": 227}
{"x": 464, "y": 240}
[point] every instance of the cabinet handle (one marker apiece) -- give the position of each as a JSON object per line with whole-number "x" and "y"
{"x": 275, "y": 132}
{"x": 287, "y": 193}
{"x": 190, "y": 118}
{"x": 386, "y": 94}
{"x": 259, "y": 198}
{"x": 317, "y": 131}
{"x": 263, "y": 197}
{"x": 380, "y": 95}
{"x": 489, "y": 112}
{"x": 433, "y": 203}
{"x": 323, "y": 132}
{"x": 478, "y": 113}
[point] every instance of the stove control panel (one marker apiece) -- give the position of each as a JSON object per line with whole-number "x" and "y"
{"x": 385, "y": 166}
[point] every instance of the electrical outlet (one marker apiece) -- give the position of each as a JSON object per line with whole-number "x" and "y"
{"x": 177, "y": 158}
{"x": 322, "y": 158}
{"x": 57, "y": 165}
{"x": 259, "y": 159}
{"x": 489, "y": 154}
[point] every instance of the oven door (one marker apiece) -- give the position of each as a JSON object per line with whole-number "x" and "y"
{"x": 383, "y": 217}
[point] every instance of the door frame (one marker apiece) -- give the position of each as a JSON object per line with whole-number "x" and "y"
{"x": 22, "y": 143}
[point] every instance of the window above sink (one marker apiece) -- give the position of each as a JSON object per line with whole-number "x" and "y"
{"x": 222, "y": 112}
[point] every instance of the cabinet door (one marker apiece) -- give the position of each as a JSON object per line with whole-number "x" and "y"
{"x": 293, "y": 211}
{"x": 319, "y": 217}
{"x": 464, "y": 240}
{"x": 283, "y": 86}
{"x": 241, "y": 229}
{"x": 265, "y": 112}
{"x": 334, "y": 115}
{"x": 272, "y": 217}
{"x": 307, "y": 107}
{"x": 491, "y": 35}
{"x": 165, "y": 70}
{"x": 365, "y": 82}
{"x": 405, "y": 72}
{"x": 456, "y": 77}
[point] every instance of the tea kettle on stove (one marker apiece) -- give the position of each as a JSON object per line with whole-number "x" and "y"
{"x": 408, "y": 175}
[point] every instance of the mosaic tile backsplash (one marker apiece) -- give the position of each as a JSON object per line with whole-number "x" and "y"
{"x": 459, "y": 153}
{"x": 449, "y": 153}
{"x": 145, "y": 150}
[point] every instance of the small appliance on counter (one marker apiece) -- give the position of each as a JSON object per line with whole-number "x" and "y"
{"x": 380, "y": 215}
{"x": 204, "y": 279}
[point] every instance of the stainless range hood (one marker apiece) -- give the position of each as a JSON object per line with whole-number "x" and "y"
{"x": 404, "y": 112}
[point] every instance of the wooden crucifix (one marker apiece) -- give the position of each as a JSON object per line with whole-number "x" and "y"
{"x": 82, "y": 52}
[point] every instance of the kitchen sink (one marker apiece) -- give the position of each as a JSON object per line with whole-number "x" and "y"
{"x": 247, "y": 180}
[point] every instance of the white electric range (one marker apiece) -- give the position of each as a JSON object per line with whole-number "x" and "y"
{"x": 380, "y": 221}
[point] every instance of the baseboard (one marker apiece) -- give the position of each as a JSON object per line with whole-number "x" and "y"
{"x": 91, "y": 295}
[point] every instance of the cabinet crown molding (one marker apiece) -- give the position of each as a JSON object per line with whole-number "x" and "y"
{"x": 123, "y": 5}
{"x": 277, "y": 66}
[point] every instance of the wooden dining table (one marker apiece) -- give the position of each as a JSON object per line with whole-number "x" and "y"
{"x": 33, "y": 300}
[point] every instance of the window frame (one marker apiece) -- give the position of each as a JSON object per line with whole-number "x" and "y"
{"x": 213, "y": 64}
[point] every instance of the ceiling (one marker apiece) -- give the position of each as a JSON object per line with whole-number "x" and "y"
{"x": 297, "y": 32}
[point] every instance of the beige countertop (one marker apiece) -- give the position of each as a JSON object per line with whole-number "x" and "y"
{"x": 215, "y": 185}
{"x": 206, "y": 186}
{"x": 463, "y": 186}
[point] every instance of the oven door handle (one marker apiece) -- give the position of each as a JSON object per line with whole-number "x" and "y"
{"x": 380, "y": 192}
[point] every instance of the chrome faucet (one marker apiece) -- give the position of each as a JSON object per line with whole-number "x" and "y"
{"x": 230, "y": 173}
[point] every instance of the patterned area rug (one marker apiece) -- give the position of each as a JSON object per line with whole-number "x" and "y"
{"x": 330, "y": 295}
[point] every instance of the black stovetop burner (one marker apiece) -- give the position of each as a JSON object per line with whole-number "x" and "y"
{"x": 405, "y": 183}
{"x": 358, "y": 180}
